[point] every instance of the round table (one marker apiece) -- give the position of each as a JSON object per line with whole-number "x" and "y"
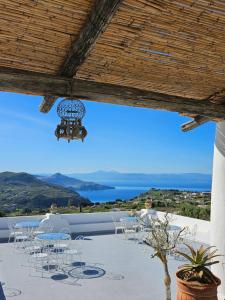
{"x": 129, "y": 219}
{"x": 174, "y": 228}
{"x": 170, "y": 228}
{"x": 27, "y": 224}
{"x": 53, "y": 236}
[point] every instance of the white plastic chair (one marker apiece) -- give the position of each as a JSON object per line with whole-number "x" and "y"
{"x": 21, "y": 236}
{"x": 13, "y": 232}
{"x": 69, "y": 255}
{"x": 130, "y": 229}
{"x": 21, "y": 241}
{"x": 79, "y": 243}
{"x": 141, "y": 235}
{"x": 33, "y": 246}
{"x": 45, "y": 256}
{"x": 118, "y": 225}
{"x": 38, "y": 261}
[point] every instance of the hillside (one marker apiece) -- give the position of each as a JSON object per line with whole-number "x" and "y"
{"x": 76, "y": 184}
{"x": 185, "y": 203}
{"x": 22, "y": 190}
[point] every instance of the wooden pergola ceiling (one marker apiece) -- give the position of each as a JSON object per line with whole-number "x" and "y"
{"x": 161, "y": 54}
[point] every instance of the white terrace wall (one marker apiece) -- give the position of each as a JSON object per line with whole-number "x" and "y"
{"x": 102, "y": 222}
{"x": 79, "y": 223}
{"x": 203, "y": 227}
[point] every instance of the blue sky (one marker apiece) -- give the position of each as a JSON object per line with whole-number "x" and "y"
{"x": 119, "y": 138}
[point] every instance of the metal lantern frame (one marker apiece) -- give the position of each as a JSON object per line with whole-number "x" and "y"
{"x": 71, "y": 111}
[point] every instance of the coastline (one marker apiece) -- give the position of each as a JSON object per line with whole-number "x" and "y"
{"x": 130, "y": 192}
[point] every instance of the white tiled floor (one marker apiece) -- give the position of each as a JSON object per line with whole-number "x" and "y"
{"x": 130, "y": 273}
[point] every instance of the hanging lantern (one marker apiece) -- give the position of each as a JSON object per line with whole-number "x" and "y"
{"x": 71, "y": 111}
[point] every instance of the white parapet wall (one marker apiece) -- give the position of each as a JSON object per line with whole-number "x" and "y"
{"x": 79, "y": 223}
{"x": 203, "y": 227}
{"x": 103, "y": 222}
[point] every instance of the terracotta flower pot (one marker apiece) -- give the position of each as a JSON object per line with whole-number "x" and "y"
{"x": 192, "y": 290}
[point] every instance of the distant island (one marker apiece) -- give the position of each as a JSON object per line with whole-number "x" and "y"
{"x": 73, "y": 183}
{"x": 150, "y": 180}
{"x": 25, "y": 191}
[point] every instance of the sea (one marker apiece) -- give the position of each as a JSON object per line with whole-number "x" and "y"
{"x": 129, "y": 192}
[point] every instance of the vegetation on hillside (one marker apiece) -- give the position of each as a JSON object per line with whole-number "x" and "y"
{"x": 22, "y": 191}
{"x": 24, "y": 194}
{"x": 191, "y": 204}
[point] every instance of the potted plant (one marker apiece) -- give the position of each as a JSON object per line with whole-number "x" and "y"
{"x": 163, "y": 243}
{"x": 195, "y": 281}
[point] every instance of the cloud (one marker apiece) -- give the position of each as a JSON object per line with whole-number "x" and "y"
{"x": 25, "y": 117}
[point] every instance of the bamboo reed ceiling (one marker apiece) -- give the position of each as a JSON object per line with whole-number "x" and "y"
{"x": 176, "y": 47}
{"x": 165, "y": 46}
{"x": 35, "y": 35}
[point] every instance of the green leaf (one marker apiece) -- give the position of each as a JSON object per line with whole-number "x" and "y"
{"x": 186, "y": 256}
{"x": 211, "y": 263}
{"x": 193, "y": 253}
{"x": 200, "y": 254}
{"x": 211, "y": 255}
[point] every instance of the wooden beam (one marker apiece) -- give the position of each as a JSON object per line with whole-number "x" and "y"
{"x": 197, "y": 121}
{"x": 47, "y": 103}
{"x": 100, "y": 16}
{"x": 218, "y": 97}
{"x": 41, "y": 84}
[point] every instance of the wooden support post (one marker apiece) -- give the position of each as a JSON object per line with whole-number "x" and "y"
{"x": 197, "y": 121}
{"x": 47, "y": 103}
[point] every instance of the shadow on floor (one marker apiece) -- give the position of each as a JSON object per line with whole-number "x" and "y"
{"x": 58, "y": 277}
{"x": 86, "y": 272}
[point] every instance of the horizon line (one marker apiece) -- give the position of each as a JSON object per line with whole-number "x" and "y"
{"x": 106, "y": 171}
